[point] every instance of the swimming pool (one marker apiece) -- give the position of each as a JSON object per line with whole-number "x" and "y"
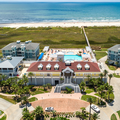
{"x": 72, "y": 57}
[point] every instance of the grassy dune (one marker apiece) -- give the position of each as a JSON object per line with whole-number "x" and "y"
{"x": 55, "y": 37}
{"x": 103, "y": 36}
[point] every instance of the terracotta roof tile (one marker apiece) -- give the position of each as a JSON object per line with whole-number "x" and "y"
{"x": 34, "y": 66}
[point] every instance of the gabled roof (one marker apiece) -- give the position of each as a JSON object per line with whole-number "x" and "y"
{"x": 67, "y": 69}
{"x": 34, "y": 66}
{"x": 11, "y": 63}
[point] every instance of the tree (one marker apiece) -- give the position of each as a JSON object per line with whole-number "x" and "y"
{"x": 25, "y": 101}
{"x": 110, "y": 76}
{"x": 101, "y": 76}
{"x": 3, "y": 76}
{"x": 15, "y": 79}
{"x": 84, "y": 114}
{"x": 25, "y": 79}
{"x": 44, "y": 86}
{"x": 88, "y": 76}
{"x": 26, "y": 115}
{"x": 110, "y": 90}
{"x": 95, "y": 116}
{"x": 38, "y": 112}
{"x": 20, "y": 83}
{"x": 8, "y": 83}
{"x": 105, "y": 73}
{"x": 117, "y": 64}
{"x": 54, "y": 113}
{"x": 30, "y": 74}
{"x": 94, "y": 82}
{"x": 82, "y": 86}
{"x": 15, "y": 89}
{"x": 90, "y": 100}
{"x": 49, "y": 85}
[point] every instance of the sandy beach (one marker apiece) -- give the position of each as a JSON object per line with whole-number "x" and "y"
{"x": 61, "y": 24}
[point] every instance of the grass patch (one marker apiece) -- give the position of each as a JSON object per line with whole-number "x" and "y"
{"x": 37, "y": 90}
{"x": 103, "y": 36}
{"x": 3, "y": 118}
{"x": 117, "y": 76}
{"x": 100, "y": 54}
{"x": 95, "y": 99}
{"x": 1, "y": 112}
{"x": 89, "y": 91}
{"x": 9, "y": 99}
{"x": 55, "y": 37}
{"x": 118, "y": 113}
{"x": 32, "y": 99}
{"x": 113, "y": 117}
{"x": 112, "y": 67}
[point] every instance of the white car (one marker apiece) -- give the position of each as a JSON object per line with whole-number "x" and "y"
{"x": 49, "y": 109}
{"x": 95, "y": 108}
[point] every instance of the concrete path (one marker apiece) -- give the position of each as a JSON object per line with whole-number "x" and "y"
{"x": 12, "y": 111}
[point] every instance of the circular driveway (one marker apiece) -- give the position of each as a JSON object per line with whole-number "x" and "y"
{"x": 61, "y": 104}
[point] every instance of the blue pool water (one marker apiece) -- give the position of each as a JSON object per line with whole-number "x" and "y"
{"x": 72, "y": 57}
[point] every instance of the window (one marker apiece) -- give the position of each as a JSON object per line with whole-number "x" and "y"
{"x": 56, "y": 67}
{"x": 48, "y": 74}
{"x": 48, "y": 67}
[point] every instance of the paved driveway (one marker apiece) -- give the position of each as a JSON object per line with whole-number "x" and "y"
{"x": 61, "y": 104}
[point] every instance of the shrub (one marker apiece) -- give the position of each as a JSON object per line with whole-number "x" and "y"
{"x": 69, "y": 90}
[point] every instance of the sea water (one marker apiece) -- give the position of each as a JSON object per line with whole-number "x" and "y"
{"x": 26, "y": 12}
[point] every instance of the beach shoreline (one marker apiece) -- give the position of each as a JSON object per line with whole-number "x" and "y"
{"x": 60, "y": 24}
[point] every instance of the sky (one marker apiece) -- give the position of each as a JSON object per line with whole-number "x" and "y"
{"x": 59, "y": 0}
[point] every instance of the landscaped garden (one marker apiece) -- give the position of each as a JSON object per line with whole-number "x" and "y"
{"x": 18, "y": 88}
{"x": 115, "y": 116}
{"x": 99, "y": 90}
{"x": 67, "y": 91}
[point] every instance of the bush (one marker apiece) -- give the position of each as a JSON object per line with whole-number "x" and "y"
{"x": 69, "y": 90}
{"x": 31, "y": 86}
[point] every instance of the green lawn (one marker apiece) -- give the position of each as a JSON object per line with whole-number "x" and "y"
{"x": 100, "y": 54}
{"x": 113, "y": 117}
{"x": 39, "y": 91}
{"x": 3, "y": 118}
{"x": 9, "y": 99}
{"x": 95, "y": 99}
{"x": 118, "y": 113}
{"x": 89, "y": 91}
{"x": 1, "y": 112}
{"x": 117, "y": 76}
{"x": 32, "y": 99}
{"x": 111, "y": 67}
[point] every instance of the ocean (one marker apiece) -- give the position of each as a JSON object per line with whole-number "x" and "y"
{"x": 34, "y": 12}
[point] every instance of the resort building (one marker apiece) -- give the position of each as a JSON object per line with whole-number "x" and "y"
{"x": 114, "y": 54}
{"x": 27, "y": 49}
{"x": 10, "y": 66}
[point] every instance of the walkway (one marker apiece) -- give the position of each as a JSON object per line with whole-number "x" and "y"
{"x": 12, "y": 111}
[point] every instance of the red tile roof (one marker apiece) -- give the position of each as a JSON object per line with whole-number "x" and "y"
{"x": 34, "y": 66}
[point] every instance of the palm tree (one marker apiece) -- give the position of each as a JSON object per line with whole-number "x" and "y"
{"x": 25, "y": 79}
{"x": 90, "y": 100}
{"x": 101, "y": 76}
{"x": 88, "y": 76}
{"x": 26, "y": 115}
{"x": 54, "y": 113}
{"x": 105, "y": 73}
{"x": 3, "y": 76}
{"x": 110, "y": 90}
{"x": 30, "y": 74}
{"x": 20, "y": 83}
{"x": 15, "y": 79}
{"x": 44, "y": 87}
{"x": 84, "y": 114}
{"x": 110, "y": 76}
{"x": 8, "y": 83}
{"x": 15, "y": 89}
{"x": 95, "y": 116}
{"x": 49, "y": 85}
{"x": 38, "y": 112}
{"x": 82, "y": 86}
{"x": 25, "y": 100}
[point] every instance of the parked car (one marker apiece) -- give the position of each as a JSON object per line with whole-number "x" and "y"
{"x": 95, "y": 108}
{"x": 48, "y": 109}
